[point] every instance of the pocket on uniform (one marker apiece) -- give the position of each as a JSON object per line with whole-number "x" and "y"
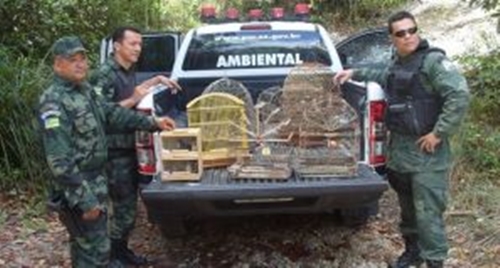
{"x": 413, "y": 120}
{"x": 401, "y": 117}
{"x": 95, "y": 227}
{"x": 85, "y": 121}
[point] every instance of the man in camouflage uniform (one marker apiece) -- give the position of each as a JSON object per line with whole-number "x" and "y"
{"x": 115, "y": 81}
{"x": 73, "y": 122}
{"x": 427, "y": 98}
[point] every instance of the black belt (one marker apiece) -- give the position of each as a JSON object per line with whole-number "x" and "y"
{"x": 92, "y": 174}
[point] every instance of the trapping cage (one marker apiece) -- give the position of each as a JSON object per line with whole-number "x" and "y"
{"x": 323, "y": 126}
{"x": 271, "y": 155}
{"x": 181, "y": 155}
{"x": 222, "y": 114}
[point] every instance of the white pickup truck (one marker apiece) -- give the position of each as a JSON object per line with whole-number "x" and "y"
{"x": 194, "y": 64}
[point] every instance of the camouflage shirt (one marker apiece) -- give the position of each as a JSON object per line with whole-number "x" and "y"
{"x": 439, "y": 76}
{"x": 73, "y": 124}
{"x": 115, "y": 83}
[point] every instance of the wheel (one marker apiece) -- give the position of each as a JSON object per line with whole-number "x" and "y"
{"x": 359, "y": 215}
{"x": 173, "y": 227}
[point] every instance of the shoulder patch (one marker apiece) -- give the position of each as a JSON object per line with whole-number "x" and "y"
{"x": 448, "y": 65}
{"x": 52, "y": 121}
{"x": 50, "y": 113}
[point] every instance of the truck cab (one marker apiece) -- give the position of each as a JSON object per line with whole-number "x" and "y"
{"x": 260, "y": 54}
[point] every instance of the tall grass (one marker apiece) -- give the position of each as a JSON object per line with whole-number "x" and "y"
{"x": 21, "y": 158}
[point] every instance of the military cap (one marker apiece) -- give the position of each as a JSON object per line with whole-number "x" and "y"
{"x": 67, "y": 46}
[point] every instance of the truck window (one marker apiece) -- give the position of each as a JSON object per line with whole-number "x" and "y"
{"x": 371, "y": 48}
{"x": 158, "y": 54}
{"x": 255, "y": 49}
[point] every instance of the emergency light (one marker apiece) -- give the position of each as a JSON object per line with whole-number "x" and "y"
{"x": 277, "y": 13}
{"x": 232, "y": 14}
{"x": 208, "y": 14}
{"x": 255, "y": 14}
{"x": 302, "y": 11}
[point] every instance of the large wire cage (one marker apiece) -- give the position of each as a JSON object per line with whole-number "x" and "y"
{"x": 274, "y": 148}
{"x": 323, "y": 126}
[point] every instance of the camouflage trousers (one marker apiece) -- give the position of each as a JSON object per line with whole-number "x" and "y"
{"x": 422, "y": 198}
{"x": 92, "y": 248}
{"x": 89, "y": 241}
{"x": 123, "y": 190}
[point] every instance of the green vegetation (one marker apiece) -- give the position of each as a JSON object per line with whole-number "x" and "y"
{"x": 21, "y": 78}
{"x": 479, "y": 138}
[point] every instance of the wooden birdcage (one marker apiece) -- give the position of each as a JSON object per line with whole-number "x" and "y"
{"x": 221, "y": 118}
{"x": 181, "y": 155}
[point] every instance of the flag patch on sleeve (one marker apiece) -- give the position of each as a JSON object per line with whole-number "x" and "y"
{"x": 51, "y": 122}
{"x": 51, "y": 119}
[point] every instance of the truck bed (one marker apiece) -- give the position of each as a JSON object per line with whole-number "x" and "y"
{"x": 219, "y": 195}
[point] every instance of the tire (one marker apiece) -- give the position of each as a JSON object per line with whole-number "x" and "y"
{"x": 358, "y": 216}
{"x": 173, "y": 227}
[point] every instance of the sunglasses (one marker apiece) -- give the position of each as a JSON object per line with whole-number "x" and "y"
{"x": 402, "y": 33}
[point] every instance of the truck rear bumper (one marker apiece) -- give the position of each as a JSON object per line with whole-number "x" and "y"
{"x": 307, "y": 196}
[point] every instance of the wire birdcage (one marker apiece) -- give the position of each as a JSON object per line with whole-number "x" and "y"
{"x": 324, "y": 127}
{"x": 237, "y": 89}
{"x": 270, "y": 155}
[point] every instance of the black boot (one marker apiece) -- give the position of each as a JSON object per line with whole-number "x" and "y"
{"x": 411, "y": 255}
{"x": 121, "y": 252}
{"x": 434, "y": 264}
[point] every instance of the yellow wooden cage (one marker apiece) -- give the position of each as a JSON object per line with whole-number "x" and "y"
{"x": 223, "y": 123}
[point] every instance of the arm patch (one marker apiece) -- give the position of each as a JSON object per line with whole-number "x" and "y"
{"x": 448, "y": 65}
{"x": 51, "y": 121}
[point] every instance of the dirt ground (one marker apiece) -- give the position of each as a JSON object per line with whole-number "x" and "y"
{"x": 269, "y": 241}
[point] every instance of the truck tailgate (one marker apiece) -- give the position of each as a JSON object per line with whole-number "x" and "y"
{"x": 218, "y": 194}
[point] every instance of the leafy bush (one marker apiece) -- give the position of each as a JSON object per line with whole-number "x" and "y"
{"x": 32, "y": 26}
{"x": 20, "y": 150}
{"x": 356, "y": 12}
{"x": 480, "y": 136}
{"x": 484, "y": 81}
{"x": 478, "y": 149}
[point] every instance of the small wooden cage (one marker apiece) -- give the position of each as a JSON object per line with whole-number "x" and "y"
{"x": 221, "y": 118}
{"x": 181, "y": 154}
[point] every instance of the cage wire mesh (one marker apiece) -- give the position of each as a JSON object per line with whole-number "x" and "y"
{"x": 267, "y": 159}
{"x": 272, "y": 149}
{"x": 306, "y": 126}
{"x": 237, "y": 89}
{"x": 323, "y": 126}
